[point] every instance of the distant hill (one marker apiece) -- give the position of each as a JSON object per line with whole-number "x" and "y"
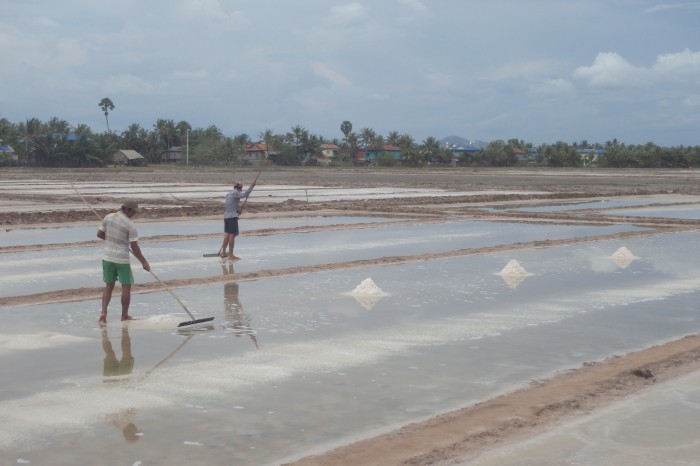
{"x": 461, "y": 142}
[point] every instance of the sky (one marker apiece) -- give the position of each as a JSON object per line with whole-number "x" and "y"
{"x": 540, "y": 71}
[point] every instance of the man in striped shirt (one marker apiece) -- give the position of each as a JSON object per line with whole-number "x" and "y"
{"x": 120, "y": 235}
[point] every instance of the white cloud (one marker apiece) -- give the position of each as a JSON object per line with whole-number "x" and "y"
{"x": 685, "y": 63}
{"x": 70, "y": 52}
{"x": 552, "y": 87}
{"x": 210, "y": 10}
{"x": 349, "y": 13}
{"x": 194, "y": 75}
{"x": 128, "y": 84}
{"x": 310, "y": 102}
{"x": 521, "y": 69}
{"x": 45, "y": 22}
{"x": 438, "y": 81}
{"x": 415, "y": 10}
{"x": 612, "y": 70}
{"x": 336, "y": 79}
{"x": 692, "y": 101}
{"x": 609, "y": 69}
{"x": 673, "y": 6}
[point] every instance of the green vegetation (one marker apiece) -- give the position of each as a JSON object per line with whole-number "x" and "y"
{"x": 56, "y": 143}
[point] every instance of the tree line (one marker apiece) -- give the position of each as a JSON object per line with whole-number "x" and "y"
{"x": 56, "y": 143}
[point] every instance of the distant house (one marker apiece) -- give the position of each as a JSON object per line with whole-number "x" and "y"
{"x": 328, "y": 153}
{"x": 519, "y": 154}
{"x": 127, "y": 157}
{"x": 370, "y": 154}
{"x": 7, "y": 151}
{"x": 255, "y": 153}
{"x": 462, "y": 150}
{"x": 171, "y": 155}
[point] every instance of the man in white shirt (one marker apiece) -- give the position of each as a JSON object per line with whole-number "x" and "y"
{"x": 120, "y": 236}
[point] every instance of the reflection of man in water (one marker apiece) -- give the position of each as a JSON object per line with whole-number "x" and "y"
{"x": 112, "y": 366}
{"x": 238, "y": 320}
{"x": 227, "y": 267}
{"x": 117, "y": 373}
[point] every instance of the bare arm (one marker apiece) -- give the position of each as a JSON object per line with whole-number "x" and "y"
{"x": 136, "y": 250}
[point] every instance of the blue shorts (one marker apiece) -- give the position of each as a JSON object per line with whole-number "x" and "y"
{"x": 111, "y": 272}
{"x": 231, "y": 226}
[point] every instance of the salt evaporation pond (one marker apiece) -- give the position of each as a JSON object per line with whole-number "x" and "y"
{"x": 87, "y": 232}
{"x": 691, "y": 211}
{"x": 450, "y": 332}
{"x": 75, "y": 267}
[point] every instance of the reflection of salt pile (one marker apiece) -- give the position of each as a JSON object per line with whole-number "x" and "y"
{"x": 513, "y": 274}
{"x": 367, "y": 293}
{"x": 623, "y": 257}
{"x": 36, "y": 341}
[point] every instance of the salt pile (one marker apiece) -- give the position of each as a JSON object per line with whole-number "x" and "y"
{"x": 513, "y": 273}
{"x": 367, "y": 293}
{"x": 623, "y": 257}
{"x": 367, "y": 288}
{"x": 513, "y": 268}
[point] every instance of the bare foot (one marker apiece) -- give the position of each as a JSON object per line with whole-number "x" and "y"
{"x": 233, "y": 258}
{"x": 102, "y": 319}
{"x": 128, "y": 318}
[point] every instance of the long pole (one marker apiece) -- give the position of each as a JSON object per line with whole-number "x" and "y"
{"x": 187, "y": 138}
{"x": 246, "y": 199}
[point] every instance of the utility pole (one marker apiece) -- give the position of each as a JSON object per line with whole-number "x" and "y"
{"x": 187, "y": 150}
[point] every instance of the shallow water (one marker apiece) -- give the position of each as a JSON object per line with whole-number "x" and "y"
{"x": 288, "y": 358}
{"x": 71, "y": 234}
{"x": 74, "y": 267}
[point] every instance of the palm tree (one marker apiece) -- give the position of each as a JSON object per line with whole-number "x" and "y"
{"x": 409, "y": 152}
{"x": 346, "y": 128}
{"x": 430, "y": 148}
{"x": 268, "y": 138}
{"x": 28, "y": 132}
{"x": 393, "y": 138}
{"x": 106, "y": 105}
{"x": 367, "y": 135}
{"x": 166, "y": 131}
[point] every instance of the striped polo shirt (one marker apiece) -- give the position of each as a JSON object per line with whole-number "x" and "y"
{"x": 120, "y": 232}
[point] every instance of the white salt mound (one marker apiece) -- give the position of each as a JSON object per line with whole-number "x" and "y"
{"x": 367, "y": 288}
{"x": 513, "y": 268}
{"x": 623, "y": 253}
{"x": 623, "y": 257}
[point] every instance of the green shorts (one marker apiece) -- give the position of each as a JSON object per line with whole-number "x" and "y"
{"x": 111, "y": 272}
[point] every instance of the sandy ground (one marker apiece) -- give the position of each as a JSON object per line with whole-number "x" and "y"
{"x": 455, "y": 436}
